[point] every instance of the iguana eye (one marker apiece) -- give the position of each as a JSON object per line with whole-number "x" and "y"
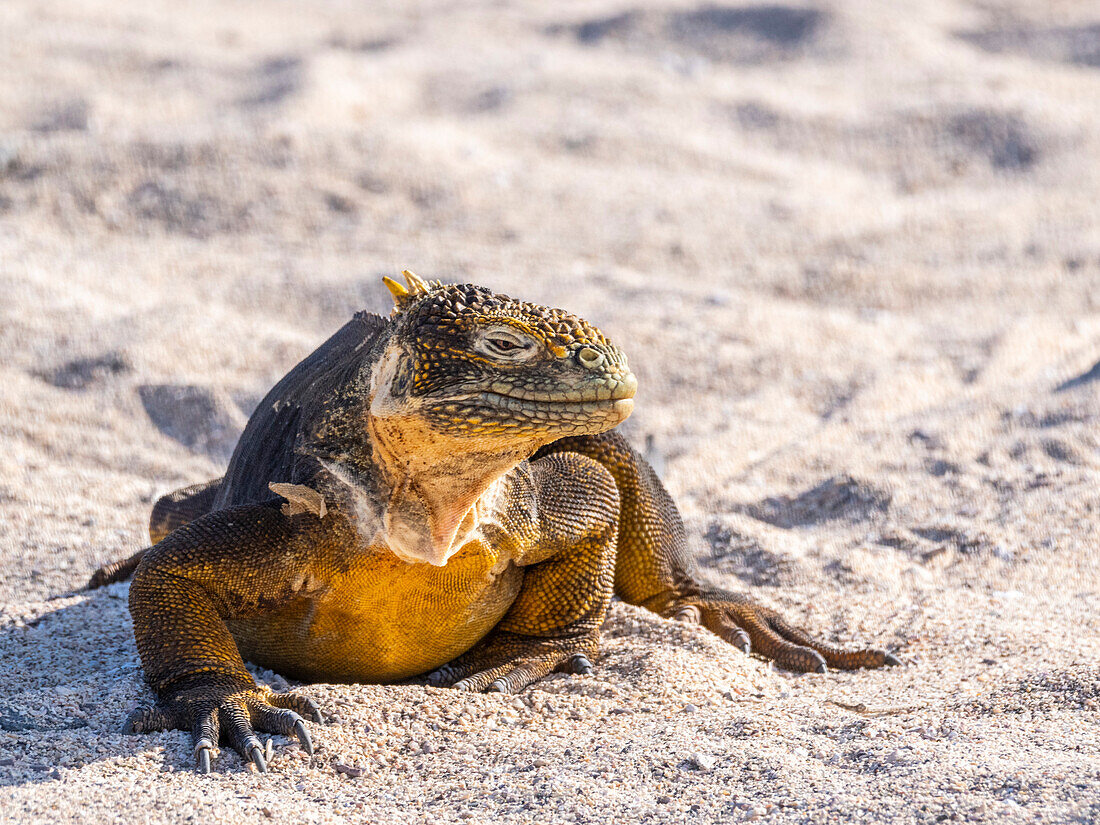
{"x": 506, "y": 344}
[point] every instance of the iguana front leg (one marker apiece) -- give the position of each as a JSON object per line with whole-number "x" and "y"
{"x": 568, "y": 549}
{"x": 654, "y": 569}
{"x": 227, "y": 564}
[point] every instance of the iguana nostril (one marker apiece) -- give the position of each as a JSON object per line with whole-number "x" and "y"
{"x": 590, "y": 358}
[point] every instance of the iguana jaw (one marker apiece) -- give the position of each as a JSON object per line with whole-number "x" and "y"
{"x": 536, "y": 415}
{"x": 435, "y": 483}
{"x": 491, "y": 415}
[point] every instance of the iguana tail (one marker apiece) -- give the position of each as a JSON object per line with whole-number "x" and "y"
{"x": 171, "y": 511}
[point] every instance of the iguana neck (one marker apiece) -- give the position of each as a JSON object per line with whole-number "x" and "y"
{"x": 433, "y": 483}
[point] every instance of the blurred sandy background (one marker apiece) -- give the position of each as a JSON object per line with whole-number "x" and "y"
{"x": 851, "y": 248}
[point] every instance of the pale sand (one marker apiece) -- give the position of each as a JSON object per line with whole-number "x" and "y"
{"x": 852, "y": 250}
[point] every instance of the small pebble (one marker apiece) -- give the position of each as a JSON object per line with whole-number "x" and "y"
{"x": 702, "y": 761}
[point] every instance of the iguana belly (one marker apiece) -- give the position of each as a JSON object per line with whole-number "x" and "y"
{"x": 381, "y": 619}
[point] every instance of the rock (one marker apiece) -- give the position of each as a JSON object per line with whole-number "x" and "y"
{"x": 702, "y": 761}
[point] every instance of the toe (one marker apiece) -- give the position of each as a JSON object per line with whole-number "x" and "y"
{"x": 271, "y": 714}
{"x": 235, "y": 722}
{"x": 722, "y": 624}
{"x": 267, "y": 719}
{"x": 312, "y": 710}
{"x": 442, "y": 677}
{"x": 513, "y": 679}
{"x": 147, "y": 720}
{"x": 467, "y": 685}
{"x": 495, "y": 680}
{"x": 688, "y": 614}
{"x": 295, "y": 702}
{"x": 804, "y": 659}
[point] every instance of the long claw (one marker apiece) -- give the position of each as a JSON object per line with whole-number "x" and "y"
{"x": 202, "y": 755}
{"x": 314, "y": 711}
{"x": 580, "y": 665}
{"x": 742, "y": 642}
{"x": 303, "y": 736}
{"x": 891, "y": 660}
{"x": 256, "y": 753}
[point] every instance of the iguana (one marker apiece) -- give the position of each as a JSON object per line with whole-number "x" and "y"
{"x": 442, "y": 492}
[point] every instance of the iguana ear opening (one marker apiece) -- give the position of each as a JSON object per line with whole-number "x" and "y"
{"x": 415, "y": 287}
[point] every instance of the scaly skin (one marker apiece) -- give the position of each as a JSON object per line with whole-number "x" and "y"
{"x": 452, "y": 501}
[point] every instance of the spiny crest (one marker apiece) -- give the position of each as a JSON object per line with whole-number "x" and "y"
{"x": 405, "y": 295}
{"x": 457, "y": 306}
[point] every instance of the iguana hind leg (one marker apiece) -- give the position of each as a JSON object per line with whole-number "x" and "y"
{"x": 654, "y": 569}
{"x": 554, "y": 623}
{"x": 171, "y": 511}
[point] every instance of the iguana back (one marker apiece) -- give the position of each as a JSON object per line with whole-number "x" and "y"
{"x": 269, "y": 449}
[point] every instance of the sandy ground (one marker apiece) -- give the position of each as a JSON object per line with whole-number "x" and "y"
{"x": 852, "y": 250}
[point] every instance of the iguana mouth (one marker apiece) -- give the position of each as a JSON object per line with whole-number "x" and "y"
{"x": 575, "y": 405}
{"x": 599, "y": 397}
{"x": 489, "y": 412}
{"x": 610, "y": 390}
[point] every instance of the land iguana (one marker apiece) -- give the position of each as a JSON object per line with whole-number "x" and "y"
{"x": 442, "y": 492}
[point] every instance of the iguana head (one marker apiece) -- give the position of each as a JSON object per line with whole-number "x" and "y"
{"x": 468, "y": 385}
{"x": 475, "y": 364}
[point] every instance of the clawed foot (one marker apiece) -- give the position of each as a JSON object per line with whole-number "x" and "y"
{"x": 236, "y": 718}
{"x": 763, "y": 631}
{"x": 508, "y": 662}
